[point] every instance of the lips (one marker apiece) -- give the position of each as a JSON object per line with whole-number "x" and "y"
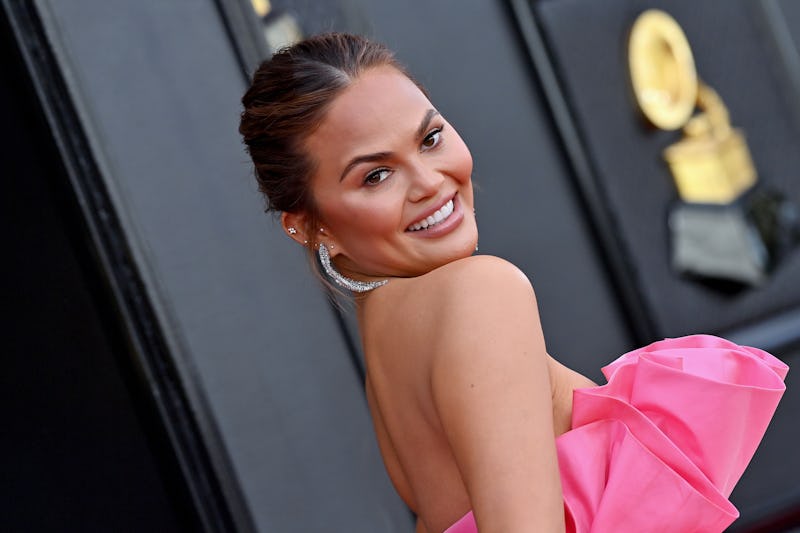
{"x": 437, "y": 217}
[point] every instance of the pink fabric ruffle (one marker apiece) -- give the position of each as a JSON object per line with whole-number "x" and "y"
{"x": 660, "y": 447}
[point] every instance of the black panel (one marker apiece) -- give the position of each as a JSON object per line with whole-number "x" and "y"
{"x": 83, "y": 448}
{"x": 317, "y": 17}
{"x": 782, "y": 23}
{"x": 588, "y": 41}
{"x": 262, "y": 359}
{"x": 770, "y": 487}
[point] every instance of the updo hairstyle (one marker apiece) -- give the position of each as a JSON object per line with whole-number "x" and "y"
{"x": 287, "y": 100}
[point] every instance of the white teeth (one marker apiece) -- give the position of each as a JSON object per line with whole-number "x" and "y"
{"x": 441, "y": 214}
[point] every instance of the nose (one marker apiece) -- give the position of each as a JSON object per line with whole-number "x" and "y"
{"x": 425, "y": 181}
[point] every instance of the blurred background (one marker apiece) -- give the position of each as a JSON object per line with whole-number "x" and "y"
{"x": 174, "y": 367}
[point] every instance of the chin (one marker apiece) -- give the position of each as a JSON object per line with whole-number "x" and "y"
{"x": 461, "y": 251}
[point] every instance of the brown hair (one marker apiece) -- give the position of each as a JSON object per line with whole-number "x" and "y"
{"x": 287, "y": 101}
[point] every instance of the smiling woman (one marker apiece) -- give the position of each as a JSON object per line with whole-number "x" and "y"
{"x": 477, "y": 425}
{"x": 386, "y": 161}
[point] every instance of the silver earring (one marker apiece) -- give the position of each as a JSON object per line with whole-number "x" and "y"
{"x": 291, "y": 230}
{"x": 475, "y": 214}
{"x": 343, "y": 281}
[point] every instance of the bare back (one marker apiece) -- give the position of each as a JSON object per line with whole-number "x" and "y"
{"x": 407, "y": 330}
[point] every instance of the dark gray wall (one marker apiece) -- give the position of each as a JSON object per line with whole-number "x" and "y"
{"x": 264, "y": 362}
{"x": 260, "y": 353}
{"x": 80, "y": 441}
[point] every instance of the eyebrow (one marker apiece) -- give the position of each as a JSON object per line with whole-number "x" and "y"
{"x": 426, "y": 120}
{"x": 377, "y": 156}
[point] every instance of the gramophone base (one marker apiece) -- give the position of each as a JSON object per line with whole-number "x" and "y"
{"x": 717, "y": 242}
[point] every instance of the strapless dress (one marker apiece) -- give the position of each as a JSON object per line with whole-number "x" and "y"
{"x": 660, "y": 447}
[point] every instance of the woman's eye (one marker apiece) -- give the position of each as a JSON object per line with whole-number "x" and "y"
{"x": 377, "y": 176}
{"x": 432, "y": 139}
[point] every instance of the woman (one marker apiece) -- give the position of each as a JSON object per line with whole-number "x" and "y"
{"x": 474, "y": 420}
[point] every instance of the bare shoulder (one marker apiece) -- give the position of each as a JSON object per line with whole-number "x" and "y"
{"x": 458, "y": 300}
{"x": 489, "y": 376}
{"x": 484, "y": 292}
{"x": 454, "y": 301}
{"x": 473, "y": 279}
{"x": 480, "y": 266}
{"x": 481, "y": 289}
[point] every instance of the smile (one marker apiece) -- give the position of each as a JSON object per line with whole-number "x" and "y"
{"x": 440, "y": 215}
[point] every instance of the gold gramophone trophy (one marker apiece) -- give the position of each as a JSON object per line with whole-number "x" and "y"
{"x": 725, "y": 227}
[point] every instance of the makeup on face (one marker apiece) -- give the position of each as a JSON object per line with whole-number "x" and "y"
{"x": 392, "y": 181}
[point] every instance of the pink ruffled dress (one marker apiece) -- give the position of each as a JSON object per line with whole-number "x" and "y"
{"x": 660, "y": 447}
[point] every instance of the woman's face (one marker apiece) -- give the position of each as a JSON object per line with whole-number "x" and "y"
{"x": 393, "y": 180}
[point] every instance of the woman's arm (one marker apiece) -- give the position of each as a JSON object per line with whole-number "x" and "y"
{"x": 492, "y": 393}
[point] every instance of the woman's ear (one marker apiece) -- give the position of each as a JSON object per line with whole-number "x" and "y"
{"x": 294, "y": 224}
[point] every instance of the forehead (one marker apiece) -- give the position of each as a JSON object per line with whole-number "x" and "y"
{"x": 378, "y": 108}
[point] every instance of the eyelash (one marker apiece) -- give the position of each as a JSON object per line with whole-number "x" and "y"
{"x": 375, "y": 173}
{"x": 434, "y": 131}
{"x": 378, "y": 171}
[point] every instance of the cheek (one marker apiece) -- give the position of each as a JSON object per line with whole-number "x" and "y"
{"x": 461, "y": 160}
{"x": 363, "y": 217}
